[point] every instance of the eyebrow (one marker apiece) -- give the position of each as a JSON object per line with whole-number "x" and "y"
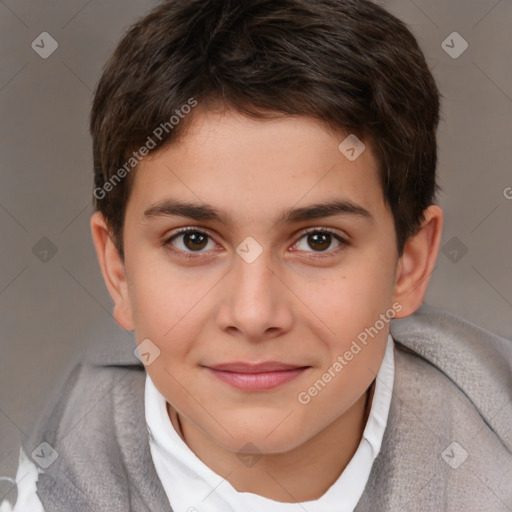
{"x": 202, "y": 212}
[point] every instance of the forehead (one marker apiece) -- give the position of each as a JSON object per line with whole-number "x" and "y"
{"x": 251, "y": 167}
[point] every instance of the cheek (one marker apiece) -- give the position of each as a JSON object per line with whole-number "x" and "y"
{"x": 352, "y": 298}
{"x": 350, "y": 305}
{"x": 164, "y": 296}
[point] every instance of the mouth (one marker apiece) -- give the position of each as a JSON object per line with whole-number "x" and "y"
{"x": 256, "y": 377}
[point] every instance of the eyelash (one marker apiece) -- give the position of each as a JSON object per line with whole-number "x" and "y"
{"x": 317, "y": 254}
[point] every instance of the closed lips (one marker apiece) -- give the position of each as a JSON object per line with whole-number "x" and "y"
{"x": 273, "y": 366}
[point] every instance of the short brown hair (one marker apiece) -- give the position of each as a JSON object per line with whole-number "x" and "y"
{"x": 348, "y": 63}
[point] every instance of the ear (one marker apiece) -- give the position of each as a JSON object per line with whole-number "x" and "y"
{"x": 113, "y": 270}
{"x": 417, "y": 262}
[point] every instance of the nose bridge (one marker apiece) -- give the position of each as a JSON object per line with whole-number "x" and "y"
{"x": 255, "y": 300}
{"x": 254, "y": 277}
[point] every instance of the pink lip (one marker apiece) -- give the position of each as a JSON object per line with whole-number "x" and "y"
{"x": 257, "y": 380}
{"x": 268, "y": 366}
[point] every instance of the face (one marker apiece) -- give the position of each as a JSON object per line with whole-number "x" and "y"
{"x": 260, "y": 275}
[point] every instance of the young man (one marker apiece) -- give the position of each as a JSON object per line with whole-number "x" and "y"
{"x": 265, "y": 206}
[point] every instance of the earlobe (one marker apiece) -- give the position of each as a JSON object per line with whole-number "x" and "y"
{"x": 417, "y": 262}
{"x": 113, "y": 271}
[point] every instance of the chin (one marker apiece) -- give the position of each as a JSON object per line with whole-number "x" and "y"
{"x": 265, "y": 437}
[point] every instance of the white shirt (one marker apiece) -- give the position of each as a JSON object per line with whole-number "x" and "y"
{"x": 187, "y": 480}
{"x": 26, "y": 478}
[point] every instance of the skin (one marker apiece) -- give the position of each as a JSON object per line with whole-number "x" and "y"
{"x": 295, "y": 303}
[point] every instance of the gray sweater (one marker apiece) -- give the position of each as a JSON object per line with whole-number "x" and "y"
{"x": 447, "y": 444}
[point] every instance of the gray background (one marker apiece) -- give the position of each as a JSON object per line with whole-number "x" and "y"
{"x": 54, "y": 310}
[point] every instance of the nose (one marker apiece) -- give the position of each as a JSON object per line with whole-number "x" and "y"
{"x": 256, "y": 303}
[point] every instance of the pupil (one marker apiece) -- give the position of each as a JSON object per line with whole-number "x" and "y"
{"x": 198, "y": 240}
{"x": 318, "y": 241}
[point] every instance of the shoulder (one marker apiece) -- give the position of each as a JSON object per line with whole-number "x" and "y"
{"x": 79, "y": 439}
{"x": 475, "y": 359}
{"x": 461, "y": 374}
{"x": 86, "y": 396}
{"x": 79, "y": 415}
{"x": 448, "y": 439}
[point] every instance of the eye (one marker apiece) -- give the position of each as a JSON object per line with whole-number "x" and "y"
{"x": 189, "y": 240}
{"x": 321, "y": 240}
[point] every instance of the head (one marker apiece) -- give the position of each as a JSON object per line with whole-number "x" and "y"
{"x": 235, "y": 120}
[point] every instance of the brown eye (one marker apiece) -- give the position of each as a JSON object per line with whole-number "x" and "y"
{"x": 190, "y": 240}
{"x": 195, "y": 240}
{"x": 320, "y": 241}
